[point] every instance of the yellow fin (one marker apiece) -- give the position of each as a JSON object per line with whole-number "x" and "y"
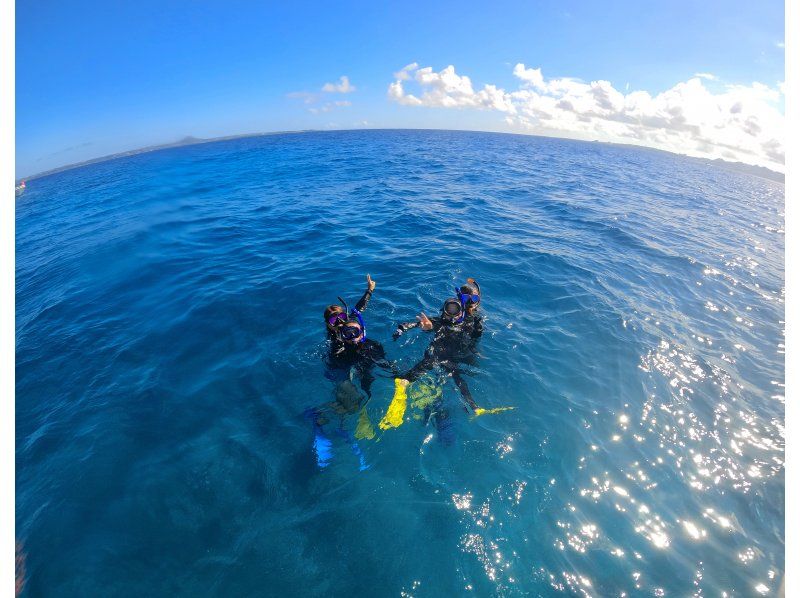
{"x": 424, "y": 393}
{"x": 397, "y": 408}
{"x": 481, "y": 411}
{"x": 364, "y": 428}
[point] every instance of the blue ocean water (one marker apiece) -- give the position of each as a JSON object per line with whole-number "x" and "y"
{"x": 170, "y": 337}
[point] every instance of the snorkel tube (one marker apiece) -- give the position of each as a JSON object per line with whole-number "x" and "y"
{"x": 361, "y": 323}
{"x": 462, "y": 298}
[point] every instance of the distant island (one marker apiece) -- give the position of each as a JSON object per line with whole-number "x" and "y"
{"x": 759, "y": 171}
{"x": 188, "y": 140}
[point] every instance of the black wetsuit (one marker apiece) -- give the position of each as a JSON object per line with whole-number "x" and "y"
{"x": 363, "y": 356}
{"x": 337, "y": 345}
{"x": 452, "y": 344}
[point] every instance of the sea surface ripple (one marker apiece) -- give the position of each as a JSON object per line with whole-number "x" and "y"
{"x": 169, "y": 338}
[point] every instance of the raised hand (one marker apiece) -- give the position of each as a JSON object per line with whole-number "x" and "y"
{"x": 424, "y": 322}
{"x": 370, "y": 284}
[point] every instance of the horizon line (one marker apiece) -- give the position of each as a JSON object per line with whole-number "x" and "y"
{"x": 189, "y": 140}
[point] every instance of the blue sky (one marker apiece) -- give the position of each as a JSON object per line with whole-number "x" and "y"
{"x": 93, "y": 78}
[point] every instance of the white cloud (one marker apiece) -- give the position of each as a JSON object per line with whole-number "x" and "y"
{"x": 781, "y": 45}
{"x": 343, "y": 86}
{"x": 741, "y": 122}
{"x": 328, "y": 106}
{"x": 397, "y": 94}
{"x": 402, "y": 74}
{"x": 530, "y": 77}
{"x": 708, "y": 76}
{"x": 307, "y": 97}
{"x": 447, "y": 89}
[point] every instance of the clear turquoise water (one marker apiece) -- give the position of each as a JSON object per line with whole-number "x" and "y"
{"x": 169, "y": 338}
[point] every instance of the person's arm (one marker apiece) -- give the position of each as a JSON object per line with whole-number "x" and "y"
{"x": 362, "y": 303}
{"x": 424, "y": 322}
{"x": 404, "y": 327}
{"x": 376, "y": 355}
{"x": 477, "y": 329}
{"x": 436, "y": 323}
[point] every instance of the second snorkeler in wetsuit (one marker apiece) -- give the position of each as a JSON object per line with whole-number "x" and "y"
{"x": 456, "y": 332}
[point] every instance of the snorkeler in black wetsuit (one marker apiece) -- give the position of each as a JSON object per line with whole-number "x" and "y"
{"x": 351, "y": 354}
{"x": 455, "y": 334}
{"x": 349, "y": 345}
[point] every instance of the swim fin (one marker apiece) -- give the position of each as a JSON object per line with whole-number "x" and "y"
{"x": 362, "y": 460}
{"x": 397, "y": 408}
{"x": 364, "y": 429}
{"x": 323, "y": 448}
{"x": 424, "y": 393}
{"x": 481, "y": 411}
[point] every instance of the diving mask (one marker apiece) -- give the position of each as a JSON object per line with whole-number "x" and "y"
{"x": 350, "y": 331}
{"x": 453, "y": 310}
{"x": 337, "y": 319}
